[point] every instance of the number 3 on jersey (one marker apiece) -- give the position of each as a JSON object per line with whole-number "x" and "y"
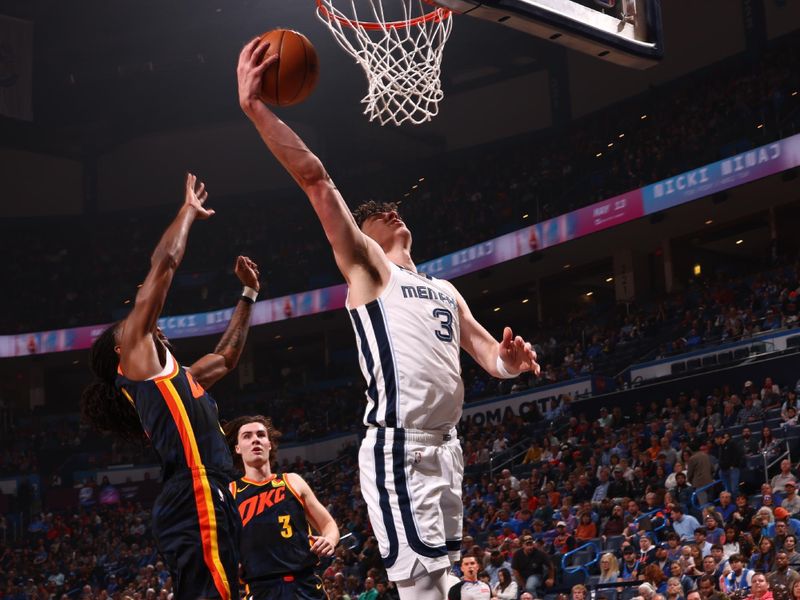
{"x": 286, "y": 530}
{"x": 445, "y": 332}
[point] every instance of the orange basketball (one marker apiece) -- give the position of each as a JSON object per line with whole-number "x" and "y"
{"x": 295, "y": 75}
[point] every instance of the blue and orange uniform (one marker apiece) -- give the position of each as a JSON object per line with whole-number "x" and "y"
{"x": 195, "y": 522}
{"x": 277, "y": 562}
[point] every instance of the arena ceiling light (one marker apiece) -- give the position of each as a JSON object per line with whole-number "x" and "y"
{"x": 739, "y": 242}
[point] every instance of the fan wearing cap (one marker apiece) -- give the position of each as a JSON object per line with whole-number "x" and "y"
{"x": 563, "y": 542}
{"x": 779, "y": 481}
{"x": 791, "y": 501}
{"x": 630, "y": 567}
{"x": 619, "y": 486}
{"x": 782, "y": 516}
{"x": 532, "y": 567}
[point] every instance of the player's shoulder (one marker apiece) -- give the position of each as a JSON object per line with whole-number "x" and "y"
{"x": 294, "y": 480}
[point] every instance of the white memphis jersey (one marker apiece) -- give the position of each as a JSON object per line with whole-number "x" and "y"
{"x": 408, "y": 340}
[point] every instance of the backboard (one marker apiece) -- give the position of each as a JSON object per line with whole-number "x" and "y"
{"x": 625, "y": 32}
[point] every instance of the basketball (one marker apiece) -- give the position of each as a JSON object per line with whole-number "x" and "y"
{"x": 294, "y": 76}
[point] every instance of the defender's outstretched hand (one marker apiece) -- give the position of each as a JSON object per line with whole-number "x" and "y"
{"x": 196, "y": 196}
{"x": 250, "y": 71}
{"x": 517, "y": 355}
{"x": 247, "y": 272}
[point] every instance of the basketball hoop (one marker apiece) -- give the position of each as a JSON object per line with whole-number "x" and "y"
{"x": 402, "y": 59}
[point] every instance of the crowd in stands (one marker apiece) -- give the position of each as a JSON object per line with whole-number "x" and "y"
{"x": 474, "y": 195}
{"x": 707, "y": 312}
{"x": 634, "y": 483}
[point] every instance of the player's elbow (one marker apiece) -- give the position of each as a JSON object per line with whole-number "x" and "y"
{"x": 313, "y": 177}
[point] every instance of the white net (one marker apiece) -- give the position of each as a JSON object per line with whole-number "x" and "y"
{"x": 402, "y": 58}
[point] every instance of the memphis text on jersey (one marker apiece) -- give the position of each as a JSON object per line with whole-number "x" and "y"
{"x": 423, "y": 292}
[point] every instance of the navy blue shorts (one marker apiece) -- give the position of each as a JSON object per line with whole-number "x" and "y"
{"x": 197, "y": 527}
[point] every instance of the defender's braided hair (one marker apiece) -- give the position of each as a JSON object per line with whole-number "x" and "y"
{"x": 102, "y": 405}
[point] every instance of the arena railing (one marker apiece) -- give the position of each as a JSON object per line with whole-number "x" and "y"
{"x": 695, "y": 500}
{"x": 587, "y": 549}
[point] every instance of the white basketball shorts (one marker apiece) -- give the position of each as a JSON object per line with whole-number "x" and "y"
{"x": 411, "y": 482}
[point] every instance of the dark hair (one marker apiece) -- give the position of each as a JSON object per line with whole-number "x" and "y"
{"x": 508, "y": 579}
{"x": 103, "y": 406}
{"x": 366, "y": 209}
{"x": 706, "y": 579}
{"x": 232, "y": 428}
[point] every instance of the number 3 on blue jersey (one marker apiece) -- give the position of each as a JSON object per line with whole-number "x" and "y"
{"x": 445, "y": 334}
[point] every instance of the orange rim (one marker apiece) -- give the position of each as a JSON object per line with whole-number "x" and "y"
{"x": 436, "y": 15}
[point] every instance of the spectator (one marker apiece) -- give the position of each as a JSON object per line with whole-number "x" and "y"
{"x": 708, "y": 588}
{"x": 609, "y": 568}
{"x": 749, "y": 443}
{"x": 674, "y": 589}
{"x": 780, "y": 480}
{"x": 587, "y": 529}
{"x": 739, "y": 579}
{"x": 791, "y": 500}
{"x": 790, "y": 547}
{"x": 730, "y": 456}
{"x": 760, "y": 588}
{"x": 783, "y": 577}
{"x": 684, "y": 525}
{"x": 763, "y": 560}
{"x": 369, "y": 593}
{"x": 532, "y": 567}
{"x": 700, "y": 472}
{"x": 506, "y": 588}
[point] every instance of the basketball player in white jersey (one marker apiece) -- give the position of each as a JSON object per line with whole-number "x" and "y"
{"x": 409, "y": 329}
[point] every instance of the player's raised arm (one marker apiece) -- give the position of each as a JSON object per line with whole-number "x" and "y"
{"x": 504, "y": 359}
{"x": 214, "y": 366}
{"x": 138, "y": 354}
{"x": 353, "y": 251}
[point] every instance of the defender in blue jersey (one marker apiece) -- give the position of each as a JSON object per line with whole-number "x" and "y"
{"x": 278, "y": 549}
{"x": 141, "y": 387}
{"x": 409, "y": 329}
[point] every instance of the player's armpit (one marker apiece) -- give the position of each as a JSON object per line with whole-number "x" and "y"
{"x": 209, "y": 369}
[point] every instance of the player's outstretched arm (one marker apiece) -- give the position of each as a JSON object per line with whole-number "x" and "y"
{"x": 352, "y": 249}
{"x": 318, "y": 515}
{"x": 138, "y": 355}
{"x": 504, "y": 359}
{"x": 214, "y": 366}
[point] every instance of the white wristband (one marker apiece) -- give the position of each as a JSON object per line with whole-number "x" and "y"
{"x": 249, "y": 294}
{"x": 501, "y": 369}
